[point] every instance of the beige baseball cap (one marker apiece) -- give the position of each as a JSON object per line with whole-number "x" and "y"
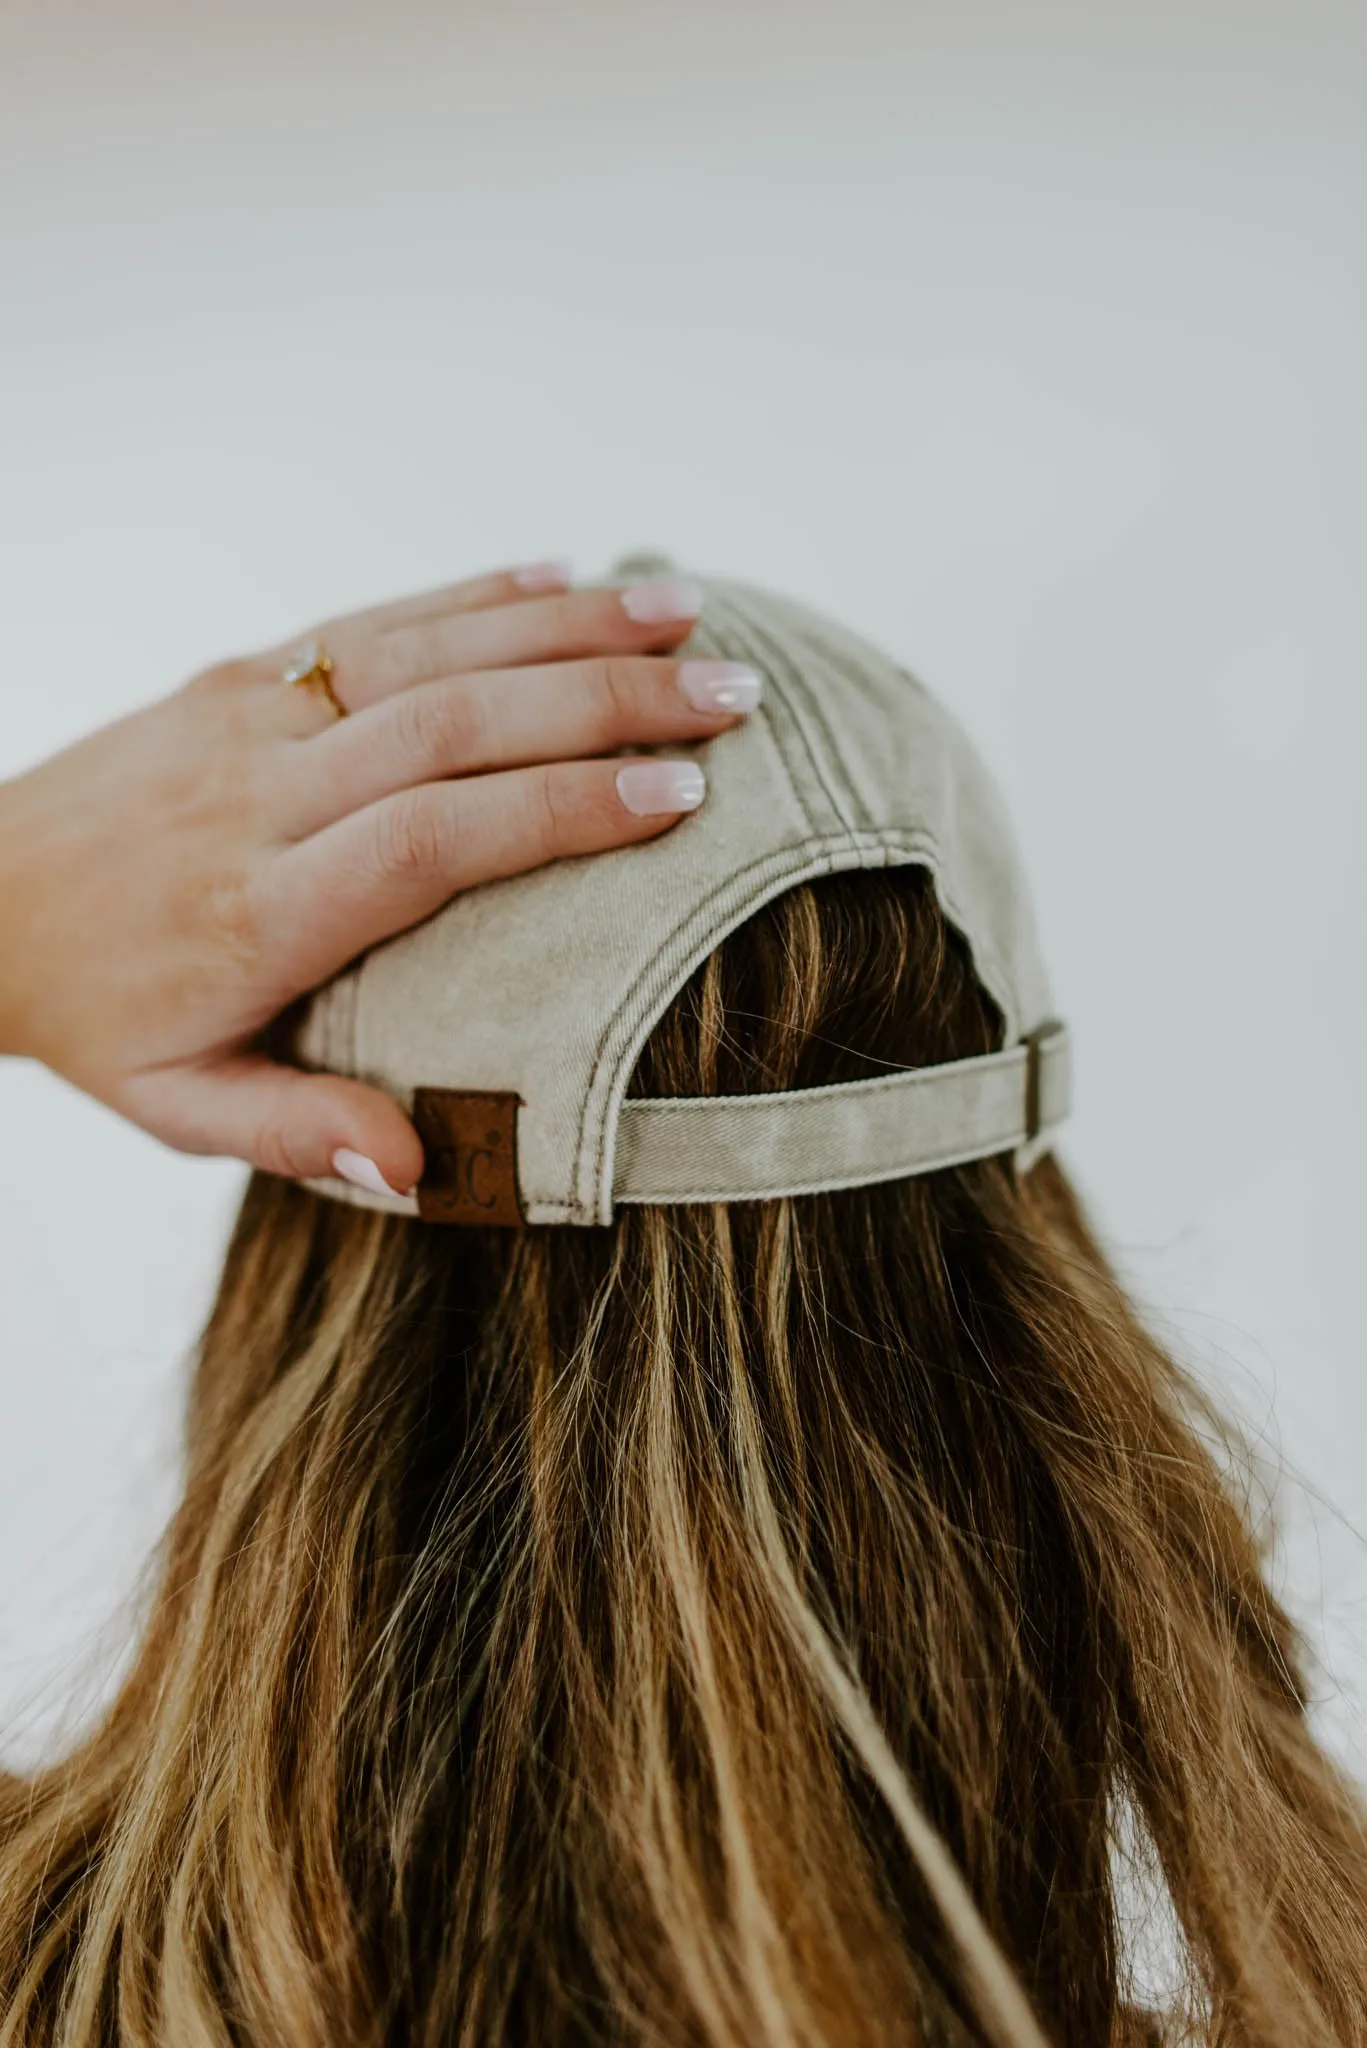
{"x": 508, "y": 1024}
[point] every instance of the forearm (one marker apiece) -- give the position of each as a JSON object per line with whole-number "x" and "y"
{"x": 15, "y": 884}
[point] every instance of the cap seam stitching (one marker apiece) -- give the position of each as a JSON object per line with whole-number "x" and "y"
{"x": 745, "y": 630}
{"x": 810, "y": 860}
{"x": 984, "y": 955}
{"x": 838, "y": 760}
{"x": 800, "y": 707}
{"x": 798, "y": 695}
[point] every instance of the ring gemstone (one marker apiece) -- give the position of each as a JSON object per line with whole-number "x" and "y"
{"x": 306, "y": 660}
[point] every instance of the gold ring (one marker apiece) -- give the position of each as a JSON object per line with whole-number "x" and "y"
{"x": 310, "y": 668}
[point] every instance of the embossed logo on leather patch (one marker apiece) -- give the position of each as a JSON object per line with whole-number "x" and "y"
{"x": 470, "y": 1139}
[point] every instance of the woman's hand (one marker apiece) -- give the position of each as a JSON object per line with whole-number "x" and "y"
{"x": 170, "y": 884}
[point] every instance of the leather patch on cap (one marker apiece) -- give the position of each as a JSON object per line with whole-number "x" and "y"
{"x": 470, "y": 1138}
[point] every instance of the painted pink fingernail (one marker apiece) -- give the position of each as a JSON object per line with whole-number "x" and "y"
{"x": 668, "y": 597}
{"x": 720, "y": 685}
{"x": 650, "y": 788}
{"x": 544, "y": 576}
{"x": 362, "y": 1173}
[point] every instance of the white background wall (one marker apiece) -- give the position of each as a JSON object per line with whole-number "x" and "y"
{"x": 1029, "y": 339}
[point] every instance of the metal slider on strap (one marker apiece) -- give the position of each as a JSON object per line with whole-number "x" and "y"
{"x": 1035, "y": 1043}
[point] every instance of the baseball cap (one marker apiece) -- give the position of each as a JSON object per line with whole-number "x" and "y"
{"x": 509, "y": 1023}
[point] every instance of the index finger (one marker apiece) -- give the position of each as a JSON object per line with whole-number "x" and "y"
{"x": 380, "y": 870}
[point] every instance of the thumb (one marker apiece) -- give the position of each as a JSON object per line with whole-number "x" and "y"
{"x": 304, "y": 1126}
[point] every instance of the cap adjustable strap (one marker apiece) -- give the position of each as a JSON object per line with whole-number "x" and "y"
{"x": 738, "y": 1148}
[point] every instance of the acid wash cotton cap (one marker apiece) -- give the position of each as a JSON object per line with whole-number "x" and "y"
{"x": 509, "y": 1023}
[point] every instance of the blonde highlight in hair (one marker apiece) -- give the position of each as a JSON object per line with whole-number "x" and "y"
{"x": 739, "y": 1625}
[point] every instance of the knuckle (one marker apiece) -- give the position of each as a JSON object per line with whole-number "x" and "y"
{"x": 229, "y": 674}
{"x": 427, "y": 647}
{"x": 576, "y": 625}
{"x": 410, "y": 839}
{"x": 578, "y": 809}
{"x": 566, "y": 617}
{"x": 604, "y": 815}
{"x": 550, "y": 815}
{"x": 385, "y": 659}
{"x": 396, "y": 658}
{"x": 276, "y": 1149}
{"x": 223, "y": 679}
{"x": 234, "y": 911}
{"x": 440, "y": 729}
{"x": 619, "y": 692}
{"x": 468, "y": 736}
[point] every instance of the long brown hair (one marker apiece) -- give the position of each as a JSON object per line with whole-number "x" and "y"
{"x": 749, "y": 1625}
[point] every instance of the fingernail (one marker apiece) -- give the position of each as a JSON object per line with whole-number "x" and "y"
{"x": 544, "y": 576}
{"x": 361, "y": 1172}
{"x": 719, "y": 685}
{"x": 667, "y": 597}
{"x": 650, "y": 788}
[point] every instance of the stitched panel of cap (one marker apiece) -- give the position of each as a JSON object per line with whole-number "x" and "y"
{"x": 731, "y": 904}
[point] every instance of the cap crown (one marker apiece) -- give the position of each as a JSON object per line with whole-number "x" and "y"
{"x": 549, "y": 983}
